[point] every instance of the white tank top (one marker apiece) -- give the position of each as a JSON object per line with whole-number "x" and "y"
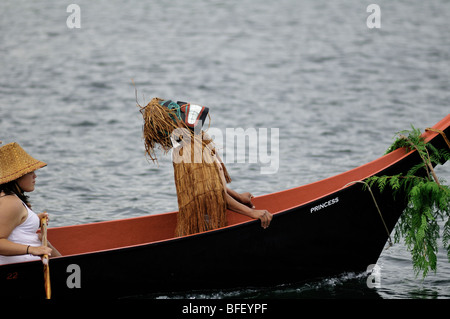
{"x": 24, "y": 234}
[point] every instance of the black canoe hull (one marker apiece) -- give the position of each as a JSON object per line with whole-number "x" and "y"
{"x": 339, "y": 232}
{"x": 347, "y": 235}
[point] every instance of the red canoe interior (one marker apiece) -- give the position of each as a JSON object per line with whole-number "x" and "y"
{"x": 151, "y": 228}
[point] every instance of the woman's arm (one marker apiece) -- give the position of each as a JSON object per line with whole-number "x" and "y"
{"x": 12, "y": 213}
{"x": 8, "y": 248}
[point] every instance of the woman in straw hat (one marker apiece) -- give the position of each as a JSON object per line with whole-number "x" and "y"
{"x": 200, "y": 176}
{"x": 19, "y": 240}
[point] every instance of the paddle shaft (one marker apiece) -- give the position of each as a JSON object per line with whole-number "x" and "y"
{"x": 45, "y": 259}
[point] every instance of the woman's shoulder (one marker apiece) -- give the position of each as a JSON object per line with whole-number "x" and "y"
{"x": 12, "y": 214}
{"x": 10, "y": 204}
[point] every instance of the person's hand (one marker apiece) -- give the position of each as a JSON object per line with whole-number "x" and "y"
{"x": 265, "y": 217}
{"x": 39, "y": 251}
{"x": 42, "y": 215}
{"x": 246, "y": 199}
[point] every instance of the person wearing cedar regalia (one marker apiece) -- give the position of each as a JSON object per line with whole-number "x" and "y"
{"x": 200, "y": 176}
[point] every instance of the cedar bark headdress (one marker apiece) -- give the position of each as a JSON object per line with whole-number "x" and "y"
{"x": 162, "y": 117}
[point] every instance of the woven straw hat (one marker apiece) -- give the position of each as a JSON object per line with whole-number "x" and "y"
{"x": 15, "y": 163}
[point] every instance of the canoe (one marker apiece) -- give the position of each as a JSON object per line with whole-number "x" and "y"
{"x": 321, "y": 229}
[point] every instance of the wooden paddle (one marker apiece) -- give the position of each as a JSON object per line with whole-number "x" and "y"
{"x": 45, "y": 259}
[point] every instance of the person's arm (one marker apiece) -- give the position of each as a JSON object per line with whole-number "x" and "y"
{"x": 11, "y": 216}
{"x": 8, "y": 248}
{"x": 238, "y": 207}
{"x": 243, "y": 198}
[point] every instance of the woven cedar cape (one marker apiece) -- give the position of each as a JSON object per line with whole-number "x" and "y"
{"x": 197, "y": 171}
{"x": 200, "y": 189}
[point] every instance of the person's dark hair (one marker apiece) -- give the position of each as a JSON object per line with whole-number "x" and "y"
{"x": 12, "y": 188}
